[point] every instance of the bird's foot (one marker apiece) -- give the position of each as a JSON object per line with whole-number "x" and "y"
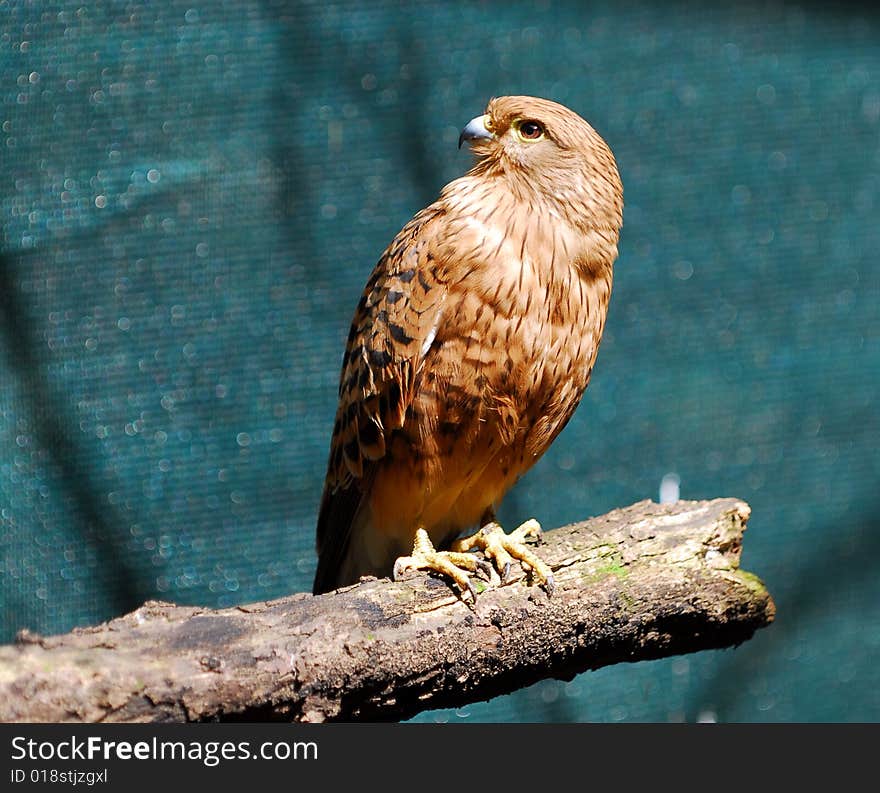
{"x": 452, "y": 564}
{"x": 503, "y": 548}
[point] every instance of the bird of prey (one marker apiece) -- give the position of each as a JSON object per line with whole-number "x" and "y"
{"x": 470, "y": 349}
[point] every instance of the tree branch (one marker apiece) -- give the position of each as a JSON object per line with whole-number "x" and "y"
{"x": 642, "y": 582}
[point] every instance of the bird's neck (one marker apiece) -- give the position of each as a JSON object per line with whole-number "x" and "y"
{"x": 571, "y": 227}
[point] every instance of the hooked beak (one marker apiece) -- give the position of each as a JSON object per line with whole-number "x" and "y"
{"x": 475, "y": 130}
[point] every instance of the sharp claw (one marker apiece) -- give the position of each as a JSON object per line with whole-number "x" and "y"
{"x": 473, "y": 590}
{"x": 485, "y": 568}
{"x": 550, "y": 585}
{"x": 505, "y": 573}
{"x": 398, "y": 570}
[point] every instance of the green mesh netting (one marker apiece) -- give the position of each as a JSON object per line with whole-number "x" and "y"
{"x": 193, "y": 194}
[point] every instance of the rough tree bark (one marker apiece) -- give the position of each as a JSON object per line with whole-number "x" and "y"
{"x": 642, "y": 582}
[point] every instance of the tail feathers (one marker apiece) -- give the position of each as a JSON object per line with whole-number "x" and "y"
{"x": 340, "y": 512}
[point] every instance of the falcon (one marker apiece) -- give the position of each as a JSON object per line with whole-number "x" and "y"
{"x": 469, "y": 351}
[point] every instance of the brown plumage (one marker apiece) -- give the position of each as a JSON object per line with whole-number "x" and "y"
{"x": 473, "y": 341}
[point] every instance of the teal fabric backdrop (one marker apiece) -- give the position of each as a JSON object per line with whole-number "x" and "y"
{"x": 193, "y": 194}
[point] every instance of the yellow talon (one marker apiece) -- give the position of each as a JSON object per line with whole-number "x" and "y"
{"x": 449, "y": 563}
{"x": 500, "y": 548}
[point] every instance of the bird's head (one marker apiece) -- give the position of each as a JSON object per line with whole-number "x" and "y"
{"x": 543, "y": 147}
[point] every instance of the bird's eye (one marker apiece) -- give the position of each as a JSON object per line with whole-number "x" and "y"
{"x": 530, "y": 130}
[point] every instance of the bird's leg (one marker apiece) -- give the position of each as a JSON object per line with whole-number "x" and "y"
{"x": 452, "y": 564}
{"x": 503, "y": 548}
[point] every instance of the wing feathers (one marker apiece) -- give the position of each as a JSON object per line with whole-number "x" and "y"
{"x": 393, "y": 326}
